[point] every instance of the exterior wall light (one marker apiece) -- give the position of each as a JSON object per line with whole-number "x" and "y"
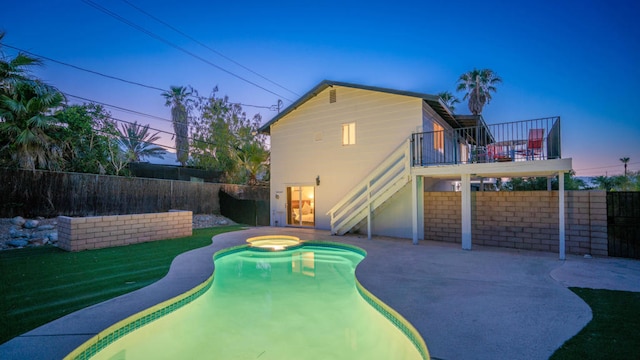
{"x": 318, "y": 180}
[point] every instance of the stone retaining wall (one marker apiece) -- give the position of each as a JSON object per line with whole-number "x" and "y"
{"x": 82, "y": 233}
{"x": 521, "y": 219}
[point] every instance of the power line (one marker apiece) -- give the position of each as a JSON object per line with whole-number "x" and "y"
{"x": 190, "y": 138}
{"x": 161, "y": 131}
{"x": 606, "y": 167}
{"x": 272, "y": 107}
{"x": 144, "y": 141}
{"x": 175, "y": 46}
{"x": 118, "y": 107}
{"x": 206, "y": 46}
{"x": 83, "y": 69}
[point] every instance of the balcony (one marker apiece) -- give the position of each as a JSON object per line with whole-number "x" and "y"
{"x": 527, "y": 140}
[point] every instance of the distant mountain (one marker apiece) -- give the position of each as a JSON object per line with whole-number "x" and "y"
{"x": 170, "y": 158}
{"x": 588, "y": 180}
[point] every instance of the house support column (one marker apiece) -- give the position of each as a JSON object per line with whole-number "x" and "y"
{"x": 420, "y": 189}
{"x": 417, "y": 207}
{"x": 369, "y": 210}
{"x": 561, "y": 214}
{"x": 466, "y": 211}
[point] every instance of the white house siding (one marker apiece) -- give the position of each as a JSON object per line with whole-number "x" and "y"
{"x": 394, "y": 217}
{"x": 429, "y": 117}
{"x": 308, "y": 143}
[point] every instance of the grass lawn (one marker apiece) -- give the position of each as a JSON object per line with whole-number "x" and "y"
{"x": 614, "y": 331}
{"x": 38, "y": 285}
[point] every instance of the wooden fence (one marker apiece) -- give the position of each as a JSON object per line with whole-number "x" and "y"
{"x": 48, "y": 194}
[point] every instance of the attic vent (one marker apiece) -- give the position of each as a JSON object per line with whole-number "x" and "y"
{"x": 332, "y": 96}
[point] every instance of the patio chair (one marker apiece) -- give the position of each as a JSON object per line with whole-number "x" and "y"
{"x": 534, "y": 144}
{"x": 498, "y": 153}
{"x": 479, "y": 154}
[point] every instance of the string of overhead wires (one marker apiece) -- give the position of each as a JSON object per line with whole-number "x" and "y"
{"x": 606, "y": 167}
{"x": 150, "y": 128}
{"x": 159, "y": 131}
{"x": 140, "y": 140}
{"x": 272, "y": 107}
{"x": 117, "y": 107}
{"x": 175, "y": 46}
{"x": 206, "y": 46}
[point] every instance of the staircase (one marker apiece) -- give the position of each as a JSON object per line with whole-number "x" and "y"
{"x": 373, "y": 191}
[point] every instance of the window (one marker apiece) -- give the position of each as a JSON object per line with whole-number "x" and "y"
{"x": 349, "y": 134}
{"x": 438, "y": 137}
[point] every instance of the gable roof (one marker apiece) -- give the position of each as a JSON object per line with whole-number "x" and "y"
{"x": 433, "y": 101}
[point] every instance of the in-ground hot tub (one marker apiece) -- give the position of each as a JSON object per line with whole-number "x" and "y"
{"x": 274, "y": 243}
{"x": 297, "y": 300}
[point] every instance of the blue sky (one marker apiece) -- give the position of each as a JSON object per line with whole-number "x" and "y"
{"x": 576, "y": 59}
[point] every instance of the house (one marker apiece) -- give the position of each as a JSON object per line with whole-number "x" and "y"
{"x": 348, "y": 157}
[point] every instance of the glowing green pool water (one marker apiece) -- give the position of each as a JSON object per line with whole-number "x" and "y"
{"x": 301, "y": 303}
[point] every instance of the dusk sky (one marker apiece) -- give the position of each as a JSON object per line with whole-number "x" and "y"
{"x": 576, "y": 59}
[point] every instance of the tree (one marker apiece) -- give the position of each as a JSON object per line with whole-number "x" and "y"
{"x": 541, "y": 183}
{"x": 225, "y": 139}
{"x": 85, "y": 133}
{"x": 26, "y": 106}
{"x": 478, "y": 85}
{"x": 137, "y": 142}
{"x": 625, "y": 161}
{"x": 449, "y": 99}
{"x": 603, "y": 182}
{"x": 177, "y": 98}
{"x": 253, "y": 159}
{"x": 15, "y": 70}
{"x": 27, "y": 111}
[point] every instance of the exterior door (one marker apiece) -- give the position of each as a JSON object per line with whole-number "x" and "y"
{"x": 301, "y": 206}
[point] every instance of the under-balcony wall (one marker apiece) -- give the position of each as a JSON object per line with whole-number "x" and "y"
{"x": 95, "y": 232}
{"x": 521, "y": 219}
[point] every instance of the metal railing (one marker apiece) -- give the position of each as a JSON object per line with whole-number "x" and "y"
{"x": 381, "y": 184}
{"x": 527, "y": 140}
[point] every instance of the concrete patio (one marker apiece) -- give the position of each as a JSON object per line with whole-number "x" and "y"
{"x": 488, "y": 303}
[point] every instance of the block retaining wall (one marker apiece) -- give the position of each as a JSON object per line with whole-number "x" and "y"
{"x": 96, "y": 232}
{"x": 521, "y": 219}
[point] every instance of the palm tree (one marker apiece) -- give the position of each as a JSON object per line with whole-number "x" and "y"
{"x": 27, "y": 113}
{"x": 138, "y": 143}
{"x": 177, "y": 98}
{"x": 478, "y": 84}
{"x": 253, "y": 158}
{"x": 14, "y": 70}
{"x": 449, "y": 99}
{"x": 625, "y": 161}
{"x": 603, "y": 182}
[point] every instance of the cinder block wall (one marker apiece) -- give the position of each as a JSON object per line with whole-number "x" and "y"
{"x": 82, "y": 233}
{"x": 522, "y": 220}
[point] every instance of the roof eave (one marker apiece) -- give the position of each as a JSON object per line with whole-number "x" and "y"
{"x": 266, "y": 128}
{"x": 432, "y": 100}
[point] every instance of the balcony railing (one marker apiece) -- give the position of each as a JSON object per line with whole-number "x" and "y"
{"x": 526, "y": 140}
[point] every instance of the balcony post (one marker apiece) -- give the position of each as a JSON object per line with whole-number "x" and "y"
{"x": 416, "y": 182}
{"x": 466, "y": 211}
{"x": 561, "y": 214}
{"x": 369, "y": 210}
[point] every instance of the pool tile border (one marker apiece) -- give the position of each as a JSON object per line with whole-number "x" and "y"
{"x": 136, "y": 321}
{"x": 396, "y": 319}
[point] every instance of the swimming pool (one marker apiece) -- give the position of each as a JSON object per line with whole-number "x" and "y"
{"x": 300, "y": 302}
